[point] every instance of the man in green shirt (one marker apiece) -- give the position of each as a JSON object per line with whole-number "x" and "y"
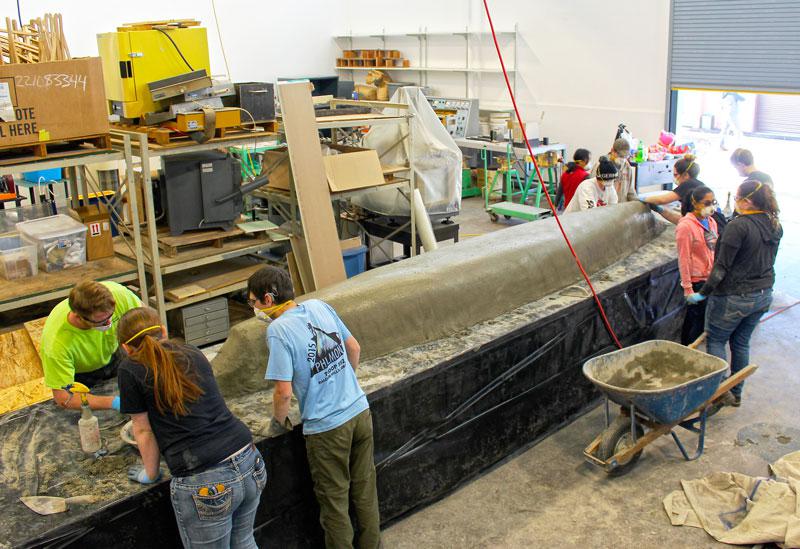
{"x": 79, "y": 340}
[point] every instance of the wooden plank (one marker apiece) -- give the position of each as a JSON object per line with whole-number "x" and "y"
{"x": 300, "y": 253}
{"x": 294, "y": 273}
{"x": 319, "y": 227}
{"x": 19, "y": 361}
{"x": 198, "y": 237}
{"x": 179, "y": 294}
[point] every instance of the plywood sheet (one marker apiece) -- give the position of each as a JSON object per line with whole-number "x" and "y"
{"x": 34, "y": 328}
{"x": 320, "y": 236}
{"x": 24, "y": 394}
{"x": 19, "y": 361}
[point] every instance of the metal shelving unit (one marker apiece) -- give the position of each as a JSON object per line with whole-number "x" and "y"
{"x": 281, "y": 200}
{"x": 424, "y": 67}
{"x": 49, "y": 286}
{"x": 152, "y": 261}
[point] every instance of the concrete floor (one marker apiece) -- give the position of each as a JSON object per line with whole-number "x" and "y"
{"x": 547, "y": 496}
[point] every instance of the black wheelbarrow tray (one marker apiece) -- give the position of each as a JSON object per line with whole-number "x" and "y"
{"x": 659, "y": 385}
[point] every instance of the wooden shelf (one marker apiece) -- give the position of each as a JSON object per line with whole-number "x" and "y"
{"x": 427, "y": 69}
{"x": 49, "y": 286}
{"x": 202, "y": 256}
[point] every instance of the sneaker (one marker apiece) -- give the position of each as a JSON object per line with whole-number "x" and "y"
{"x": 737, "y": 401}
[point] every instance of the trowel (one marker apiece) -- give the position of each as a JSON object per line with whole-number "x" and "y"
{"x": 48, "y": 505}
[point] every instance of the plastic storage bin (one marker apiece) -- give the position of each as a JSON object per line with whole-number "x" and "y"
{"x": 60, "y": 241}
{"x": 355, "y": 260}
{"x": 17, "y": 259}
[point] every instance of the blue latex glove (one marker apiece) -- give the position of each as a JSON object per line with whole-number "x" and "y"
{"x": 115, "y": 404}
{"x": 695, "y": 298}
{"x": 137, "y": 473}
{"x": 653, "y": 207}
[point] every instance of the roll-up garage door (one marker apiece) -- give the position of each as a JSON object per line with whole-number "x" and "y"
{"x": 778, "y": 114}
{"x": 750, "y": 45}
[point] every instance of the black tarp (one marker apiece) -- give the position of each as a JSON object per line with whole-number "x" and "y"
{"x": 433, "y": 430}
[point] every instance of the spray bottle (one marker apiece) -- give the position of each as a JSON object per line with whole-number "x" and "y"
{"x": 88, "y": 425}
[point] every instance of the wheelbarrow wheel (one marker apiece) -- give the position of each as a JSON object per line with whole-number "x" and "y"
{"x": 617, "y": 438}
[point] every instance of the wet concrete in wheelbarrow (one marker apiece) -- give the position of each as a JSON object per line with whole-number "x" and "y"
{"x": 657, "y": 370}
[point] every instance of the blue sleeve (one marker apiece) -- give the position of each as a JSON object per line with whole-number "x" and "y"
{"x": 339, "y": 324}
{"x": 279, "y": 366}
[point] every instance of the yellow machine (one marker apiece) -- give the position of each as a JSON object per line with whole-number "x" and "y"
{"x": 139, "y": 54}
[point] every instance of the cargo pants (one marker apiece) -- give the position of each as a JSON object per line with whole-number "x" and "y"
{"x": 343, "y": 469}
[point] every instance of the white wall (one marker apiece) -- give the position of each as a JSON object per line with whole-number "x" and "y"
{"x": 263, "y": 40}
{"x": 587, "y": 65}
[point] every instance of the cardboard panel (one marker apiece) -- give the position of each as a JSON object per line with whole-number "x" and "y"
{"x": 319, "y": 228}
{"x": 353, "y": 170}
{"x": 53, "y": 101}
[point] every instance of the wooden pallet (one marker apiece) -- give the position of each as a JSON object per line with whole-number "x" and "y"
{"x": 172, "y": 246}
{"x": 14, "y": 154}
{"x": 167, "y": 138}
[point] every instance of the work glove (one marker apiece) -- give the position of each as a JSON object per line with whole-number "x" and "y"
{"x": 695, "y": 298}
{"x": 276, "y": 428}
{"x": 115, "y": 403}
{"x": 138, "y": 474}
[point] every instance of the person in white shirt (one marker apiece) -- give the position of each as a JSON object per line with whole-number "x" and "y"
{"x": 623, "y": 182}
{"x": 597, "y": 191}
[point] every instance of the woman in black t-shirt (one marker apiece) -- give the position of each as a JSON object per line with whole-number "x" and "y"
{"x": 685, "y": 172}
{"x": 177, "y": 410}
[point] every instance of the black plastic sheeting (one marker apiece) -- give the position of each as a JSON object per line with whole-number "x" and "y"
{"x": 434, "y": 430}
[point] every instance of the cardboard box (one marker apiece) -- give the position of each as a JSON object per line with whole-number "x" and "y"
{"x": 277, "y": 163}
{"x": 53, "y": 101}
{"x": 353, "y": 168}
{"x": 99, "y": 243}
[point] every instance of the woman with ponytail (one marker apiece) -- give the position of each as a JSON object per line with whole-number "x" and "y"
{"x": 739, "y": 288}
{"x": 170, "y": 392}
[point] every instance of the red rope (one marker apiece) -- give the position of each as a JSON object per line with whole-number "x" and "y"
{"x": 541, "y": 182}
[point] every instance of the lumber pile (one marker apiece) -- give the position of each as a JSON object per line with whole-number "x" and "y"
{"x": 39, "y": 41}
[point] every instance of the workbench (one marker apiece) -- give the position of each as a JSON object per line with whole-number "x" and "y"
{"x": 402, "y": 233}
{"x": 501, "y": 146}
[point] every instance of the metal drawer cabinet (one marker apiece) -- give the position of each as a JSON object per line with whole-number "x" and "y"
{"x": 201, "y": 323}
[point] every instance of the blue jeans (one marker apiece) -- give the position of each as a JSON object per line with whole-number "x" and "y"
{"x": 224, "y": 519}
{"x": 732, "y": 319}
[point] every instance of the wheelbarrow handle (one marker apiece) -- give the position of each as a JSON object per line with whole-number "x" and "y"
{"x": 732, "y": 381}
{"x": 697, "y": 342}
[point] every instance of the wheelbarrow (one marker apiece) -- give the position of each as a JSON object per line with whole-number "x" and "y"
{"x": 659, "y": 385}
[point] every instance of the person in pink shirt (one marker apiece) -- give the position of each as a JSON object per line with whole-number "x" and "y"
{"x": 696, "y": 237}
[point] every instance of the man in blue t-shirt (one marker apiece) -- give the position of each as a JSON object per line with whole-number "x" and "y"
{"x": 313, "y": 355}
